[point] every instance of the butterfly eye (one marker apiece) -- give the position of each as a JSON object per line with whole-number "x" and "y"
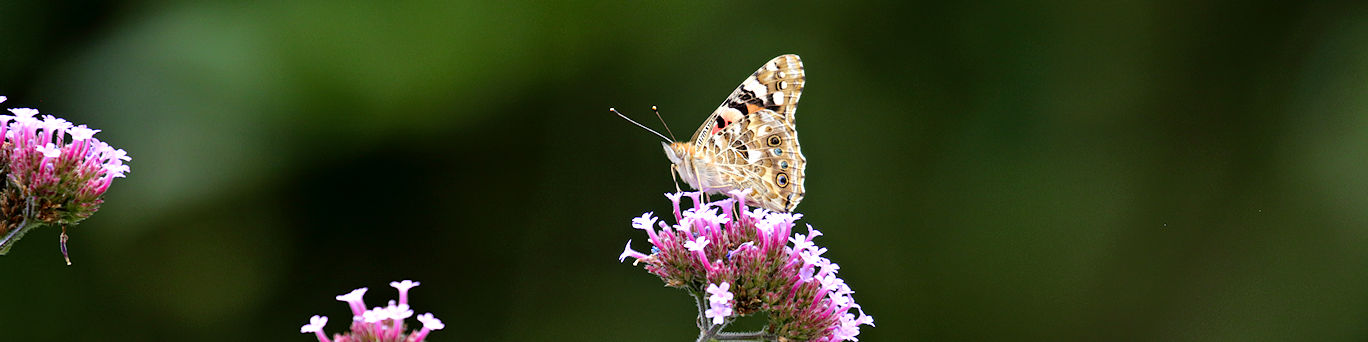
{"x": 778, "y": 151}
{"x": 783, "y": 165}
{"x": 781, "y": 179}
{"x": 774, "y": 140}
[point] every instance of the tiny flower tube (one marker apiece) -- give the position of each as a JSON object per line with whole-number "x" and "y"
{"x": 315, "y": 326}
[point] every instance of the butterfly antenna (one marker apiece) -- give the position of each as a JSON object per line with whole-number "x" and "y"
{"x": 662, "y": 123}
{"x": 624, "y": 117}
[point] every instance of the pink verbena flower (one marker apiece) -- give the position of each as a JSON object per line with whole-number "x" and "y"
{"x": 748, "y": 261}
{"x": 378, "y": 324}
{"x": 719, "y": 303}
{"x": 56, "y": 173}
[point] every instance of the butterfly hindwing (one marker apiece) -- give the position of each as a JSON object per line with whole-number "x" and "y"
{"x": 775, "y": 161}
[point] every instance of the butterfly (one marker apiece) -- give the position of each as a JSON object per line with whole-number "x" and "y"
{"x": 750, "y": 141}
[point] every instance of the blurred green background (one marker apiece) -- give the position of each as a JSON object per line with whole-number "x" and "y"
{"x": 1069, "y": 171}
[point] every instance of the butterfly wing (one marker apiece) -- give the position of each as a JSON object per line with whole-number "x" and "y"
{"x": 776, "y": 86}
{"x": 775, "y": 163}
{"x": 751, "y": 142}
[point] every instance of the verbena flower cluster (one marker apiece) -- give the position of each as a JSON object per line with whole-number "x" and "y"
{"x": 379, "y": 324}
{"x": 749, "y": 261}
{"x": 55, "y": 172}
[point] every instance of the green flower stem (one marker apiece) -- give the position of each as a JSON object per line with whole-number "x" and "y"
{"x": 16, "y": 234}
{"x": 702, "y": 321}
{"x": 746, "y": 336}
{"x": 716, "y": 334}
{"x": 710, "y": 334}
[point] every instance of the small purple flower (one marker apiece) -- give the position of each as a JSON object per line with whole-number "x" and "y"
{"x": 82, "y": 133}
{"x": 719, "y": 303}
{"x": 629, "y": 252}
{"x": 399, "y": 311}
{"x": 50, "y": 151}
{"x": 432, "y": 323}
{"x": 720, "y": 292}
{"x": 353, "y": 300}
{"x": 379, "y": 324}
{"x": 850, "y": 326}
{"x": 696, "y": 245}
{"x": 674, "y": 198}
{"x": 315, "y": 326}
{"x": 644, "y": 222}
{"x": 403, "y": 287}
{"x": 761, "y": 266}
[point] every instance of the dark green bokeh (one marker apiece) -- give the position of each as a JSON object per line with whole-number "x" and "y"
{"x": 1170, "y": 171}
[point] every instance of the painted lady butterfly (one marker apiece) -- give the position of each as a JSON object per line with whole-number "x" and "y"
{"x": 750, "y": 141}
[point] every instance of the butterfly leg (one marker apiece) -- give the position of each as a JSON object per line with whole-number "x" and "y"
{"x": 674, "y": 177}
{"x": 702, "y": 189}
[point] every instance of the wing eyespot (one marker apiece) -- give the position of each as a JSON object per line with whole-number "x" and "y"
{"x": 781, "y": 180}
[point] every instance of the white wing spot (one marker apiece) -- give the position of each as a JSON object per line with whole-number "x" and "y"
{"x": 754, "y": 86}
{"x": 779, "y": 98}
{"x": 729, "y": 114}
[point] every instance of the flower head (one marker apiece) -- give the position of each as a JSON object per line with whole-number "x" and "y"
{"x": 429, "y": 324}
{"x": 56, "y": 173}
{"x": 758, "y": 264}
{"x": 379, "y": 324}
